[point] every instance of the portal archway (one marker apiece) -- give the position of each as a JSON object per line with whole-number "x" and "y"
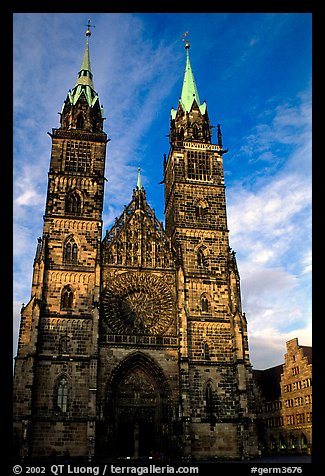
{"x": 137, "y": 413}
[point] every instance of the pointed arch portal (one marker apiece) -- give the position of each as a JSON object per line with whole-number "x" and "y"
{"x": 136, "y": 414}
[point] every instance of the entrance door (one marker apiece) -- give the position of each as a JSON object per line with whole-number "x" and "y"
{"x": 125, "y": 439}
{"x": 137, "y": 415}
{"x": 147, "y": 439}
{"x": 136, "y": 440}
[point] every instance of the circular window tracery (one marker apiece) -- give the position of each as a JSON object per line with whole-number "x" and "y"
{"x": 138, "y": 303}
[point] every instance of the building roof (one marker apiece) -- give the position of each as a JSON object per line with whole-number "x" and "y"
{"x": 149, "y": 222}
{"x": 84, "y": 84}
{"x": 189, "y": 89}
{"x": 269, "y": 381}
{"x": 308, "y": 352}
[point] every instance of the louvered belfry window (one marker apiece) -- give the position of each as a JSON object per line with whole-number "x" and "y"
{"x": 77, "y": 158}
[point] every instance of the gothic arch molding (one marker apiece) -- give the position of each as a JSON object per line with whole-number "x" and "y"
{"x": 202, "y": 256}
{"x": 137, "y": 360}
{"x": 74, "y": 201}
{"x": 201, "y": 207}
{"x": 136, "y": 411}
{"x": 71, "y": 249}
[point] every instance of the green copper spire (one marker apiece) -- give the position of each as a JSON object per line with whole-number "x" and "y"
{"x": 85, "y": 75}
{"x": 84, "y": 84}
{"x": 189, "y": 89}
{"x": 139, "y": 183}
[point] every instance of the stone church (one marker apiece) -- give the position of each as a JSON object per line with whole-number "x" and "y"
{"x": 134, "y": 342}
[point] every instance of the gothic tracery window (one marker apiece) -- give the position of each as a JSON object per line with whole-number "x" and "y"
{"x": 198, "y": 166}
{"x": 73, "y": 203}
{"x": 201, "y": 209}
{"x": 202, "y": 260}
{"x": 62, "y": 395}
{"x": 70, "y": 251}
{"x": 208, "y": 398}
{"x": 204, "y": 303}
{"x": 78, "y": 153}
{"x": 206, "y": 351}
{"x": 67, "y": 298}
{"x": 64, "y": 345}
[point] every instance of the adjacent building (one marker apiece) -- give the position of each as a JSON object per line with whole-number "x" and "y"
{"x": 284, "y": 402}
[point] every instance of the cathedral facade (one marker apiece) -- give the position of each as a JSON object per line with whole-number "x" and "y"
{"x": 134, "y": 342}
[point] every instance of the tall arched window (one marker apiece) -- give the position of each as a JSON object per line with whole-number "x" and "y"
{"x": 304, "y": 442}
{"x": 80, "y": 122}
{"x": 73, "y": 203}
{"x": 67, "y": 298}
{"x": 202, "y": 260}
{"x": 206, "y": 351}
{"x": 209, "y": 398}
{"x": 70, "y": 251}
{"x": 201, "y": 209}
{"x": 67, "y": 252}
{"x": 204, "y": 303}
{"x": 74, "y": 252}
{"x": 195, "y": 132}
{"x": 95, "y": 126}
{"x": 64, "y": 345}
{"x": 62, "y": 395}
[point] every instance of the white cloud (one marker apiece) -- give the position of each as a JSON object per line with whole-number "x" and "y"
{"x": 266, "y": 222}
{"x": 280, "y": 126}
{"x": 306, "y": 262}
{"x": 29, "y": 197}
{"x": 270, "y": 228}
{"x": 266, "y": 280}
{"x": 267, "y": 346}
{"x": 268, "y": 218}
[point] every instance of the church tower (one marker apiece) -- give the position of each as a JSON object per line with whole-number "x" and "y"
{"x": 215, "y": 371}
{"x": 56, "y": 365}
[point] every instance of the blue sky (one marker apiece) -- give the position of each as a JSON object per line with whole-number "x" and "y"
{"x": 253, "y": 70}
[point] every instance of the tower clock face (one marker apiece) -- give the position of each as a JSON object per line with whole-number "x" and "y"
{"x": 138, "y": 303}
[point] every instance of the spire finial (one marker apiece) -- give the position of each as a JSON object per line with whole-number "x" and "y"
{"x": 185, "y": 38}
{"x": 139, "y": 184}
{"x": 88, "y": 32}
